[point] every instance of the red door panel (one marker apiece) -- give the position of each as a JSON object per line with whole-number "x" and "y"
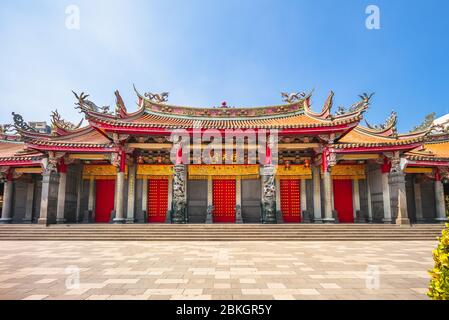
{"x": 343, "y": 200}
{"x": 104, "y": 200}
{"x": 290, "y": 200}
{"x": 223, "y": 200}
{"x": 157, "y": 200}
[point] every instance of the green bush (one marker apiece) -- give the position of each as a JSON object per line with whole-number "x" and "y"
{"x": 439, "y": 283}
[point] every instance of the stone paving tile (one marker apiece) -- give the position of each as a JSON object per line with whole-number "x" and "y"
{"x": 260, "y": 270}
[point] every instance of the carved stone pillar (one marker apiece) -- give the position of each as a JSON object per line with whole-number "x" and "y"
{"x": 398, "y": 197}
{"x": 7, "y": 200}
{"x": 48, "y": 197}
{"x": 268, "y": 194}
{"x": 179, "y": 194}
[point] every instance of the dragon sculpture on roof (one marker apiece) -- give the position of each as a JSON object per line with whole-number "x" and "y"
{"x": 292, "y": 97}
{"x": 57, "y": 121}
{"x": 157, "y": 97}
{"x": 363, "y": 103}
{"x": 84, "y": 104}
{"x": 20, "y": 124}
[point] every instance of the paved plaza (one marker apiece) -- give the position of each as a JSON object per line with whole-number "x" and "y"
{"x": 215, "y": 270}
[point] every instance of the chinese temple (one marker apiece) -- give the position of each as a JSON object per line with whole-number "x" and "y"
{"x": 321, "y": 166}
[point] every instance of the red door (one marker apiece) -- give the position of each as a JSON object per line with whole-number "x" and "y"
{"x": 104, "y": 200}
{"x": 157, "y": 200}
{"x": 223, "y": 200}
{"x": 290, "y": 200}
{"x": 343, "y": 200}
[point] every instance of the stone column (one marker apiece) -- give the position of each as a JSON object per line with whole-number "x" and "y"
{"x": 119, "y": 210}
{"x": 131, "y": 193}
{"x": 170, "y": 199}
{"x": 238, "y": 200}
{"x": 79, "y": 192}
{"x": 368, "y": 196}
{"x": 279, "y": 217}
{"x": 7, "y": 201}
{"x": 418, "y": 201}
{"x": 386, "y": 198}
{"x": 398, "y": 196}
{"x": 47, "y": 177}
{"x": 209, "y": 211}
{"x": 278, "y": 193}
{"x": 303, "y": 196}
{"x": 29, "y": 202}
{"x": 356, "y": 197}
{"x": 61, "y": 197}
{"x": 439, "y": 201}
{"x": 145, "y": 199}
{"x": 89, "y": 214}
{"x": 179, "y": 194}
{"x": 268, "y": 194}
{"x": 316, "y": 193}
{"x": 327, "y": 180}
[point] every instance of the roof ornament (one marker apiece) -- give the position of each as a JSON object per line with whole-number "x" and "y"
{"x": 390, "y": 123}
{"x": 157, "y": 97}
{"x": 120, "y": 108}
{"x": 292, "y": 97}
{"x": 57, "y": 121}
{"x": 84, "y": 104}
{"x": 6, "y": 128}
{"x": 362, "y": 104}
{"x": 20, "y": 124}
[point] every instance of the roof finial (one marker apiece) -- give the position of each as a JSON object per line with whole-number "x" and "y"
{"x": 157, "y": 97}
{"x": 292, "y": 97}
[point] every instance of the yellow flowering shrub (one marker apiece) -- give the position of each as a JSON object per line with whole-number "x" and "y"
{"x": 439, "y": 283}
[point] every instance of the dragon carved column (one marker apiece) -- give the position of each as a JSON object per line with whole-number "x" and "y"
{"x": 179, "y": 199}
{"x": 267, "y": 173}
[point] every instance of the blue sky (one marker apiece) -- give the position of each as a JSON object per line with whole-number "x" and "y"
{"x": 242, "y": 52}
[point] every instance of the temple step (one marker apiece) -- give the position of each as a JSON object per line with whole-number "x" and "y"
{"x": 221, "y": 232}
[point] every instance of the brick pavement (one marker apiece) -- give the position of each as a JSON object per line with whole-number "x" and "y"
{"x": 215, "y": 270}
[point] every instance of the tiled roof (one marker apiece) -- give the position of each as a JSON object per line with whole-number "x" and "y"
{"x": 431, "y": 151}
{"x": 15, "y": 151}
{"x": 87, "y": 138}
{"x": 294, "y": 120}
{"x": 360, "y": 138}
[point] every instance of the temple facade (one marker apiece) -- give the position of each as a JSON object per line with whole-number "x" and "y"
{"x": 174, "y": 164}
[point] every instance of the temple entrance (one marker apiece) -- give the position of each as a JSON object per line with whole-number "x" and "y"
{"x": 157, "y": 200}
{"x": 251, "y": 197}
{"x": 343, "y": 200}
{"x": 290, "y": 200}
{"x": 223, "y": 200}
{"x": 197, "y": 201}
{"x": 104, "y": 200}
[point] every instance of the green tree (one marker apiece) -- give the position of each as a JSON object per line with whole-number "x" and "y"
{"x": 428, "y": 120}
